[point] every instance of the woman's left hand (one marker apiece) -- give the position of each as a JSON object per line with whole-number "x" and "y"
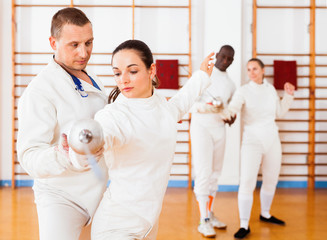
{"x": 289, "y": 88}
{"x": 206, "y": 66}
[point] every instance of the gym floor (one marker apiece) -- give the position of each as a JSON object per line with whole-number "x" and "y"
{"x": 304, "y": 211}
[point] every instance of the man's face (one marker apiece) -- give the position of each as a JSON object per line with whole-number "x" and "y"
{"x": 73, "y": 47}
{"x": 224, "y": 59}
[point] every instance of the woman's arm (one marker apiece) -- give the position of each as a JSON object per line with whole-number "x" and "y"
{"x": 113, "y": 133}
{"x": 195, "y": 86}
{"x": 236, "y": 103}
{"x": 284, "y": 105}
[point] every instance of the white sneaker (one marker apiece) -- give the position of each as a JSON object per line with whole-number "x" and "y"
{"x": 215, "y": 222}
{"x": 206, "y": 229}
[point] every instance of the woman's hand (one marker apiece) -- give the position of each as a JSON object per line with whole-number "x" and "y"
{"x": 206, "y": 66}
{"x": 289, "y": 88}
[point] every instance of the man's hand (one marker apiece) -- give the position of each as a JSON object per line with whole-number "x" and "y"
{"x": 62, "y": 150}
{"x": 63, "y": 147}
{"x": 231, "y": 120}
{"x": 75, "y": 161}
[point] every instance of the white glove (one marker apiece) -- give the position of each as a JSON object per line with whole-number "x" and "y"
{"x": 225, "y": 114}
{"x": 83, "y": 162}
{"x": 62, "y": 150}
{"x": 209, "y": 108}
{"x": 69, "y": 159}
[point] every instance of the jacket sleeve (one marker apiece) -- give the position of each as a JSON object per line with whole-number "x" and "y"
{"x": 236, "y": 103}
{"x": 114, "y": 135}
{"x": 36, "y": 144}
{"x": 188, "y": 94}
{"x": 233, "y": 90}
{"x": 283, "y": 105}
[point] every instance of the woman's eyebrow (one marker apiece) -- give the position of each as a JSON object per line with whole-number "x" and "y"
{"x": 131, "y": 65}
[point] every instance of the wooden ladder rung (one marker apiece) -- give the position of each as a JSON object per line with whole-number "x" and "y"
{"x": 174, "y": 163}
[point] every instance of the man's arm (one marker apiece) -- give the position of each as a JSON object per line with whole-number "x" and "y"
{"x": 37, "y": 144}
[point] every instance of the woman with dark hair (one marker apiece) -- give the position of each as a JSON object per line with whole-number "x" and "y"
{"x": 260, "y": 105}
{"x": 140, "y": 128}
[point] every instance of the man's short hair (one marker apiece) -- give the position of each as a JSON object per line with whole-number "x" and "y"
{"x": 228, "y": 47}
{"x": 68, "y": 15}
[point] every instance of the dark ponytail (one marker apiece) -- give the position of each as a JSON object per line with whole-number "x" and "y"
{"x": 113, "y": 95}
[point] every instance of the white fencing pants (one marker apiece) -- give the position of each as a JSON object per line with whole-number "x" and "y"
{"x": 253, "y": 155}
{"x": 208, "y": 148}
{"x": 60, "y": 218}
{"x": 154, "y": 232}
{"x": 115, "y": 222}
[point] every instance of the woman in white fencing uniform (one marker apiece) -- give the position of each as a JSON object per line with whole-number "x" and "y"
{"x": 140, "y": 128}
{"x": 261, "y": 145}
{"x": 208, "y": 140}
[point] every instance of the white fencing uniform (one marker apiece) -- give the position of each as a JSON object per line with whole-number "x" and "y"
{"x": 140, "y": 138}
{"x": 260, "y": 106}
{"x": 66, "y": 199}
{"x": 208, "y": 135}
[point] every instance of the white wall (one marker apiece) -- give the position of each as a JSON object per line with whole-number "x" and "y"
{"x": 5, "y": 90}
{"x": 214, "y": 23}
{"x": 203, "y": 42}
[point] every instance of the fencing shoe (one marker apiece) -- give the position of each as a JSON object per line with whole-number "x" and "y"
{"x": 215, "y": 222}
{"x": 206, "y": 229}
{"x": 272, "y": 219}
{"x": 242, "y": 233}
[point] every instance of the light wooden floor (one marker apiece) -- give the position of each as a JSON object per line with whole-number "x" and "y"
{"x": 305, "y": 214}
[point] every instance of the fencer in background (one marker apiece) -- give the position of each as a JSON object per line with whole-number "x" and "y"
{"x": 140, "y": 128}
{"x": 63, "y": 92}
{"x": 260, "y": 106}
{"x": 208, "y": 139}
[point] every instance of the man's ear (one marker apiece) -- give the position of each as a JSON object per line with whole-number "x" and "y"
{"x": 53, "y": 43}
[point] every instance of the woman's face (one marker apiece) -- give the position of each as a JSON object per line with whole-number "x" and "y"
{"x": 133, "y": 79}
{"x": 255, "y": 72}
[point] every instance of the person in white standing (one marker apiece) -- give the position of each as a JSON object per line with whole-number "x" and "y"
{"x": 63, "y": 92}
{"x": 208, "y": 140}
{"x": 140, "y": 128}
{"x": 260, "y": 105}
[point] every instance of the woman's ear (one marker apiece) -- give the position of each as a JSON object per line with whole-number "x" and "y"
{"x": 152, "y": 71}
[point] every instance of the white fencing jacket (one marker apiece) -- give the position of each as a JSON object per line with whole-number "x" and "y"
{"x": 48, "y": 107}
{"x": 140, "y": 138}
{"x": 260, "y": 106}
